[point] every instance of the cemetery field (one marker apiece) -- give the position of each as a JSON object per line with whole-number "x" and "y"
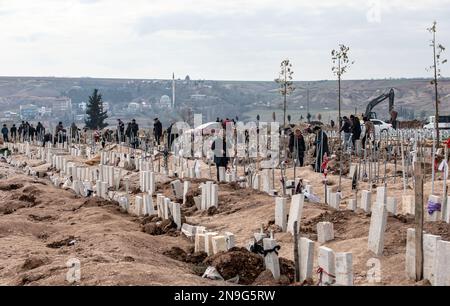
{"x": 48, "y": 229}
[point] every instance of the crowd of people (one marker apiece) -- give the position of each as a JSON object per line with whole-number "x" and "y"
{"x": 24, "y": 132}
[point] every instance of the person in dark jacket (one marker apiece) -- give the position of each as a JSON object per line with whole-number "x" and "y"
{"x": 347, "y": 129}
{"x": 321, "y": 143}
{"x": 5, "y": 132}
{"x": 40, "y": 131}
{"x": 134, "y": 134}
{"x": 32, "y": 132}
{"x": 120, "y": 137}
{"x": 356, "y": 129}
{"x": 157, "y": 130}
{"x": 297, "y": 147}
{"x": 220, "y": 154}
{"x": 13, "y": 131}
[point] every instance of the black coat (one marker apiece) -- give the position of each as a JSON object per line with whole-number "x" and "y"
{"x": 157, "y": 128}
{"x": 220, "y": 153}
{"x": 301, "y": 146}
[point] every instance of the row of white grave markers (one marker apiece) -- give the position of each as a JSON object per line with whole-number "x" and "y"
{"x": 295, "y": 212}
{"x": 209, "y": 196}
{"x": 211, "y": 242}
{"x": 436, "y": 258}
{"x": 147, "y": 181}
{"x": 167, "y": 209}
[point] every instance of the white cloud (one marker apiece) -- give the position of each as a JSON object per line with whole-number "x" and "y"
{"x": 215, "y": 39}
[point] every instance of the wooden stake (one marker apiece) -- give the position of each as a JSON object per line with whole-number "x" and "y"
{"x": 418, "y": 190}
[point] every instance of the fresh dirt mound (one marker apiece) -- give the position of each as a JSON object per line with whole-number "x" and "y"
{"x": 5, "y": 186}
{"x": 96, "y": 202}
{"x": 61, "y": 243}
{"x": 438, "y": 228}
{"x": 189, "y": 257}
{"x": 156, "y": 228}
{"x": 238, "y": 261}
{"x": 34, "y": 262}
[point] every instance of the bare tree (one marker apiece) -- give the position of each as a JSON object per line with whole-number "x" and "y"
{"x": 438, "y": 49}
{"x": 341, "y": 64}
{"x": 286, "y": 84}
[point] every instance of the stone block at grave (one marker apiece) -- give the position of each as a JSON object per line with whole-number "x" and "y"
{"x": 335, "y": 200}
{"x": 271, "y": 260}
{"x": 381, "y": 195}
{"x": 177, "y": 215}
{"x": 410, "y": 256}
{"x": 327, "y": 265}
{"x": 377, "y": 229}
{"x": 166, "y": 208}
{"x": 392, "y": 205}
{"x": 443, "y": 264}
{"x": 430, "y": 243}
{"x": 198, "y": 202}
{"x": 214, "y": 195}
{"x": 344, "y": 269}
{"x": 231, "y": 240}
{"x": 186, "y": 187}
{"x": 366, "y": 201}
{"x": 138, "y": 206}
{"x": 295, "y": 212}
{"x": 208, "y": 242}
{"x": 219, "y": 244}
{"x": 325, "y": 232}
{"x": 281, "y": 213}
{"x": 148, "y": 205}
{"x": 177, "y": 189}
{"x": 351, "y": 205}
{"x": 306, "y": 260}
{"x": 188, "y": 230}
{"x": 200, "y": 242}
{"x": 408, "y": 205}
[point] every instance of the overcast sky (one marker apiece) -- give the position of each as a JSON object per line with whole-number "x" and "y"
{"x": 217, "y": 39}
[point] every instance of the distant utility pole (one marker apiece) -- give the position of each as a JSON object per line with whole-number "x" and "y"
{"x": 173, "y": 90}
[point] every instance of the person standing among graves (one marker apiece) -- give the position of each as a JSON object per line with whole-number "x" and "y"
{"x": 157, "y": 130}
{"x": 120, "y": 131}
{"x": 31, "y": 132}
{"x": 356, "y": 129}
{"x": 5, "y": 133}
{"x": 297, "y": 147}
{"x": 369, "y": 131}
{"x": 321, "y": 143}
{"x": 13, "y": 131}
{"x": 135, "y": 133}
{"x": 220, "y": 153}
{"x": 59, "y": 133}
{"x": 347, "y": 129}
{"x": 40, "y": 131}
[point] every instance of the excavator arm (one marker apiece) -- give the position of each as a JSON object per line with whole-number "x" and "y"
{"x": 378, "y": 100}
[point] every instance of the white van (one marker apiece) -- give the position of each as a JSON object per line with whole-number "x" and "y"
{"x": 444, "y": 123}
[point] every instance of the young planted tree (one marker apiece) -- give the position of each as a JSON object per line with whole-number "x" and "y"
{"x": 341, "y": 64}
{"x": 286, "y": 85}
{"x": 438, "y": 49}
{"x": 96, "y": 116}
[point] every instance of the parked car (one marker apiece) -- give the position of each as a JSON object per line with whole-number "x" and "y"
{"x": 380, "y": 127}
{"x": 444, "y": 123}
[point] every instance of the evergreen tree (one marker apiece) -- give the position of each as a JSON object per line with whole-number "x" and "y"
{"x": 95, "y": 115}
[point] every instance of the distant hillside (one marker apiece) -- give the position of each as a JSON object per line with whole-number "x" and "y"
{"x": 225, "y": 98}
